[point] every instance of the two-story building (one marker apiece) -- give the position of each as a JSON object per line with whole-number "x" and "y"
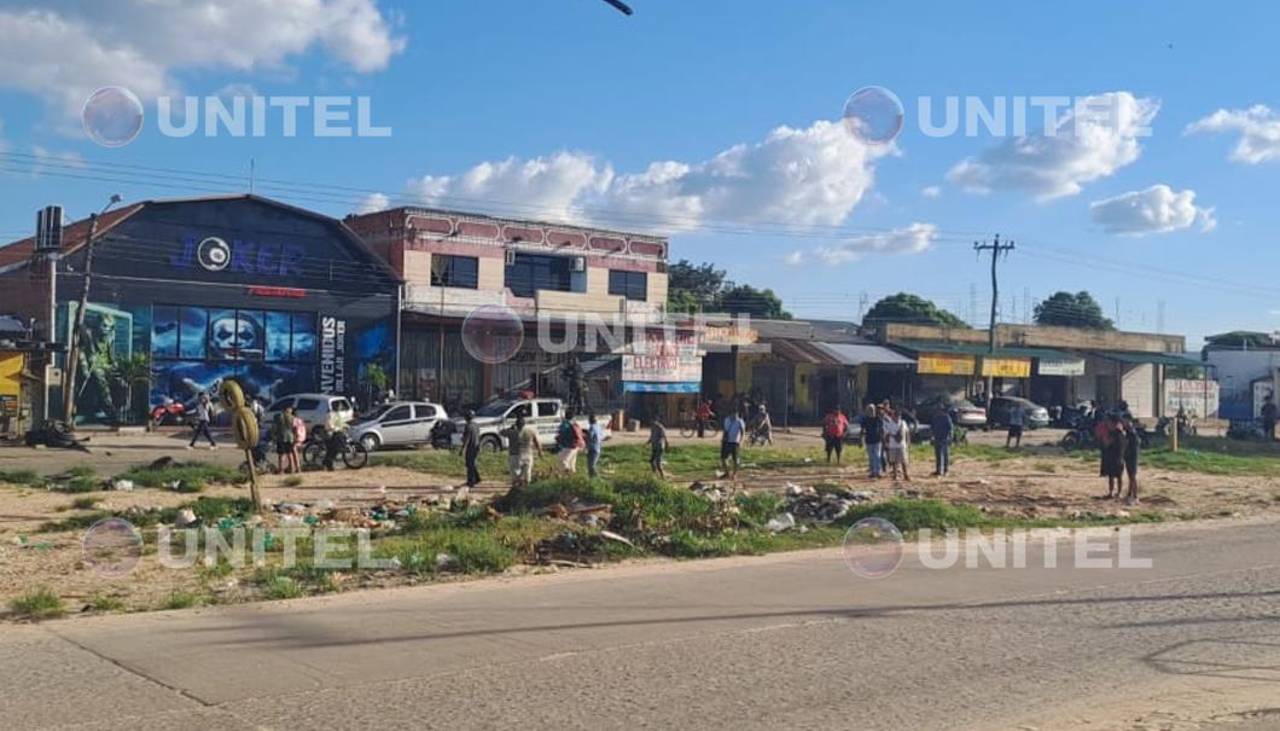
{"x": 497, "y": 305}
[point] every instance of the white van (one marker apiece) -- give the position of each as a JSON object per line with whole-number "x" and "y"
{"x": 315, "y": 410}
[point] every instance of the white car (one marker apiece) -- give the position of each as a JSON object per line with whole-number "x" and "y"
{"x": 315, "y": 409}
{"x": 544, "y": 414}
{"x": 397, "y": 424}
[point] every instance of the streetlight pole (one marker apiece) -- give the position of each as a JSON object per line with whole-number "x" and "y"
{"x": 73, "y": 351}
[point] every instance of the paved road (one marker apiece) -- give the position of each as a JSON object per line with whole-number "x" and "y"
{"x": 793, "y": 640}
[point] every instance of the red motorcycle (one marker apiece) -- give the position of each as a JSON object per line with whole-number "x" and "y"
{"x": 169, "y": 413}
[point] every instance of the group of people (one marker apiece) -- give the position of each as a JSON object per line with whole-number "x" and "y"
{"x": 524, "y": 447}
{"x": 1119, "y": 443}
{"x": 886, "y": 435}
{"x": 733, "y": 430}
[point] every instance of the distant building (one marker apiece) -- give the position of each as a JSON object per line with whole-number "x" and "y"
{"x": 1247, "y": 366}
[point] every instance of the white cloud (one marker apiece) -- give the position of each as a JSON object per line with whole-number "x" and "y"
{"x": 62, "y": 51}
{"x": 1157, "y": 209}
{"x": 914, "y": 239}
{"x": 1259, "y": 129}
{"x": 795, "y": 258}
{"x": 374, "y": 202}
{"x": 1092, "y": 140}
{"x": 931, "y": 191}
{"x": 800, "y": 177}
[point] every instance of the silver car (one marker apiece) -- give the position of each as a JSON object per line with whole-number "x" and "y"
{"x": 397, "y": 424}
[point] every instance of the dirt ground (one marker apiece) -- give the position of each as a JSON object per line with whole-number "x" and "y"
{"x": 1043, "y": 484}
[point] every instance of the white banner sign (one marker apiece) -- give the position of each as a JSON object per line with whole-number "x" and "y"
{"x": 663, "y": 355}
{"x": 1198, "y": 398}
{"x": 1061, "y": 366}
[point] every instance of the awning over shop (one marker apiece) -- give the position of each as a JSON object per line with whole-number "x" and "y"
{"x": 652, "y": 387}
{"x": 856, "y": 354}
{"x": 1002, "y": 351}
{"x": 1166, "y": 359}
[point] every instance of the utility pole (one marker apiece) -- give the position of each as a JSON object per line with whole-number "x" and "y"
{"x": 73, "y": 351}
{"x": 996, "y": 248}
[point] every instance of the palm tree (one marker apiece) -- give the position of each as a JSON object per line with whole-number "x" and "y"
{"x": 130, "y": 371}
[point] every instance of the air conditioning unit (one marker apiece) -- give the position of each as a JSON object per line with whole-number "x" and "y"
{"x": 510, "y": 257}
{"x": 579, "y": 263}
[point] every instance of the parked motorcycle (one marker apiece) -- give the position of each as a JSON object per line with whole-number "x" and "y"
{"x": 442, "y": 434}
{"x": 1080, "y": 437}
{"x": 169, "y": 413}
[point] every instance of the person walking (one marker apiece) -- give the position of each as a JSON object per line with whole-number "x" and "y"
{"x": 762, "y": 431}
{"x": 941, "y": 428}
{"x": 282, "y": 435}
{"x": 570, "y": 440}
{"x": 523, "y": 448}
{"x": 873, "y": 438}
{"x": 204, "y": 417}
{"x": 1113, "y": 451}
{"x": 658, "y": 445}
{"x": 471, "y": 448}
{"x": 897, "y": 443}
{"x": 731, "y": 444}
{"x": 1017, "y": 419}
{"x": 299, "y": 428}
{"x": 834, "y": 427}
{"x": 1132, "y": 444}
{"x": 595, "y": 442}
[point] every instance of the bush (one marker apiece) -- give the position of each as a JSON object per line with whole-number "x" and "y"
{"x": 181, "y": 600}
{"x": 101, "y": 603}
{"x": 41, "y": 603}
{"x": 21, "y": 477}
{"x": 283, "y": 587}
{"x": 911, "y": 515}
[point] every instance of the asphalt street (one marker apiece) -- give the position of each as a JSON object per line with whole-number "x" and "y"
{"x": 784, "y": 641}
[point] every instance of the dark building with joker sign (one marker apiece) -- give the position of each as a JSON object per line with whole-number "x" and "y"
{"x": 282, "y": 299}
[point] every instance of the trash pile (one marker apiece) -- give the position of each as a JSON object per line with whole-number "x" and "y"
{"x": 571, "y": 548}
{"x": 384, "y": 515}
{"x": 810, "y": 505}
{"x": 594, "y": 515}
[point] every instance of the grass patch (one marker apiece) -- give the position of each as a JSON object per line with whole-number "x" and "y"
{"x": 1046, "y": 467}
{"x": 41, "y": 603}
{"x": 910, "y": 516}
{"x": 103, "y": 603}
{"x": 479, "y": 548}
{"x": 84, "y": 503}
{"x": 192, "y": 476}
{"x": 1211, "y": 463}
{"x": 28, "y": 478}
{"x": 292, "y": 481}
{"x": 181, "y": 600}
{"x": 283, "y": 587}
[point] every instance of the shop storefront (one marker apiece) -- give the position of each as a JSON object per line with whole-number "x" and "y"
{"x": 187, "y": 294}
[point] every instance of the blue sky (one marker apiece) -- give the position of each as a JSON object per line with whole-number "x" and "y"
{"x": 570, "y": 103}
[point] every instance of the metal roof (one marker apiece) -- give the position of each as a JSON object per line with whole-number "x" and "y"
{"x": 853, "y": 354}
{"x": 1002, "y": 351}
{"x": 1170, "y": 359}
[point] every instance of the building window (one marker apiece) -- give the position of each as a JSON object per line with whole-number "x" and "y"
{"x": 631, "y": 285}
{"x": 532, "y": 272}
{"x": 455, "y": 271}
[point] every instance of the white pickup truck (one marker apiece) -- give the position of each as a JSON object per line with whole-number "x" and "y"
{"x": 495, "y": 417}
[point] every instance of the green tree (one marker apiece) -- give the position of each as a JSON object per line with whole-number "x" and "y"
{"x": 1072, "y": 310}
{"x": 743, "y": 299}
{"x": 1241, "y": 339}
{"x": 691, "y": 287}
{"x": 909, "y": 308}
{"x": 129, "y": 372}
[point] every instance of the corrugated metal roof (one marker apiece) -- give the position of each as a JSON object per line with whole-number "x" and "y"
{"x": 1170, "y": 359}
{"x": 1002, "y": 351}
{"x": 852, "y": 354}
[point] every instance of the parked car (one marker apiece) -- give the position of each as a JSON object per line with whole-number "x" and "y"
{"x": 963, "y": 412}
{"x": 397, "y": 424}
{"x": 1034, "y": 415}
{"x": 545, "y": 414}
{"x": 315, "y": 409}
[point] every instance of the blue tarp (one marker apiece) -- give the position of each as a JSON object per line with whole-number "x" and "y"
{"x": 652, "y": 387}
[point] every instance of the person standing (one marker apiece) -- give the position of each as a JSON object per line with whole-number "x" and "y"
{"x": 1113, "y": 451}
{"x": 570, "y": 441}
{"x": 471, "y": 448}
{"x": 731, "y": 444}
{"x": 282, "y": 435}
{"x": 873, "y": 438}
{"x": 897, "y": 442}
{"x": 658, "y": 445}
{"x": 941, "y": 428}
{"x": 204, "y": 417}
{"x": 834, "y": 427}
{"x": 595, "y": 442}
{"x": 1132, "y": 445}
{"x": 1269, "y": 416}
{"x": 764, "y": 426}
{"x": 299, "y": 428}
{"x": 704, "y": 416}
{"x": 1017, "y": 419}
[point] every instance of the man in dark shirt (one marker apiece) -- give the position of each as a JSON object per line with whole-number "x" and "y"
{"x": 941, "y": 427}
{"x": 471, "y": 449}
{"x": 1269, "y": 417}
{"x": 873, "y": 438}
